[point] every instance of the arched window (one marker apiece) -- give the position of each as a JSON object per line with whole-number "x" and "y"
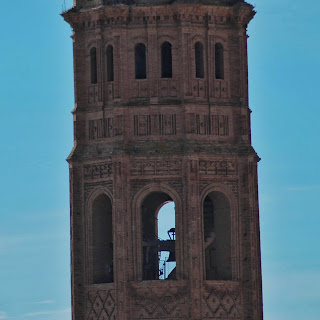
{"x": 93, "y": 65}
{"x": 166, "y": 60}
{"x": 217, "y": 237}
{"x": 140, "y": 61}
{"x": 219, "y": 61}
{"x": 167, "y": 233}
{"x": 158, "y": 237}
{"x": 110, "y": 67}
{"x": 102, "y": 240}
{"x": 198, "y": 53}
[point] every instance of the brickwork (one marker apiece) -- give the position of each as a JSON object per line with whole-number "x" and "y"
{"x": 181, "y": 138}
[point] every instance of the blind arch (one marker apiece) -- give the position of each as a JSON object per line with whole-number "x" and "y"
{"x": 166, "y": 60}
{"x": 93, "y": 65}
{"x": 140, "y": 61}
{"x": 199, "y": 62}
{"x": 217, "y": 236}
{"x": 219, "y": 61}
{"x": 102, "y": 240}
{"x": 110, "y": 65}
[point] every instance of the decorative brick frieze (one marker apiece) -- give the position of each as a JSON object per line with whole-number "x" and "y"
{"x": 140, "y": 89}
{"x": 201, "y": 124}
{"x": 220, "y": 89}
{"x": 98, "y": 171}
{"x": 93, "y": 94}
{"x": 100, "y": 304}
{"x": 156, "y": 167}
{"x": 219, "y": 167}
{"x": 161, "y": 124}
{"x": 222, "y": 302}
{"x": 168, "y": 88}
{"x": 110, "y": 91}
{"x": 163, "y": 301}
{"x": 105, "y": 128}
{"x": 200, "y": 89}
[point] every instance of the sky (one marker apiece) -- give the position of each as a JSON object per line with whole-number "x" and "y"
{"x": 36, "y": 99}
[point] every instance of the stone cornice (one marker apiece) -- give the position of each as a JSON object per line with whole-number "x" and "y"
{"x": 82, "y": 153}
{"x": 166, "y": 14}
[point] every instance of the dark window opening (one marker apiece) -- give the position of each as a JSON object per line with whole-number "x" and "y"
{"x": 110, "y": 66}
{"x": 166, "y": 60}
{"x": 219, "y": 61}
{"x": 158, "y": 237}
{"x": 93, "y": 65}
{"x": 217, "y": 237}
{"x": 198, "y": 51}
{"x": 102, "y": 240}
{"x": 140, "y": 61}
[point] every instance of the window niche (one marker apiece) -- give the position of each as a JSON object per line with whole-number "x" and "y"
{"x": 93, "y": 65}
{"x": 140, "y": 61}
{"x": 199, "y": 63}
{"x": 219, "y": 61}
{"x": 217, "y": 237}
{"x": 158, "y": 248}
{"x": 102, "y": 240}
{"x": 110, "y": 66}
{"x": 166, "y": 60}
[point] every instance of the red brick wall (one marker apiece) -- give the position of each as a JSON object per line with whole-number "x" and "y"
{"x": 183, "y": 136}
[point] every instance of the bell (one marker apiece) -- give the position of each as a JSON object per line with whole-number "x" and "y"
{"x": 172, "y": 256}
{"x": 172, "y": 233}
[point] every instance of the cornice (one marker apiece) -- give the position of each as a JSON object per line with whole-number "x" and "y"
{"x": 84, "y": 152}
{"x": 194, "y": 14}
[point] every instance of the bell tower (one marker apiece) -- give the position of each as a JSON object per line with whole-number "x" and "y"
{"x": 161, "y": 115}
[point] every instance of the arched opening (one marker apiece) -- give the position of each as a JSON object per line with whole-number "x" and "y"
{"x": 110, "y": 66}
{"x": 158, "y": 237}
{"x": 198, "y": 53}
{"x": 167, "y": 231}
{"x": 140, "y": 61}
{"x": 166, "y": 60}
{"x": 93, "y": 65}
{"x": 102, "y": 240}
{"x": 219, "y": 61}
{"x": 217, "y": 236}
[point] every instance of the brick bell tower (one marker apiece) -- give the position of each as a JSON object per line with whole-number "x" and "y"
{"x": 161, "y": 115}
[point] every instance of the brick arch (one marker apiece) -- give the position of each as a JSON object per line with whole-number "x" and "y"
{"x": 138, "y": 39}
{"x": 199, "y": 38}
{"x": 88, "y": 225}
{"x": 163, "y": 38}
{"x": 235, "y": 226}
{"x": 136, "y": 225}
{"x": 96, "y": 192}
{"x": 219, "y": 38}
{"x": 108, "y": 42}
{"x": 91, "y": 43}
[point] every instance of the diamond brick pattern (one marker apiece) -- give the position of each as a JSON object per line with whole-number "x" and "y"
{"x": 222, "y": 304}
{"x": 152, "y": 304}
{"x": 101, "y": 305}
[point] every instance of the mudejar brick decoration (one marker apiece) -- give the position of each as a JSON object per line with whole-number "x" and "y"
{"x": 161, "y": 114}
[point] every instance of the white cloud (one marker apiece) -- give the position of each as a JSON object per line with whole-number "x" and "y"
{"x": 3, "y": 315}
{"x": 7, "y": 243}
{"x": 303, "y": 188}
{"x": 46, "y": 313}
{"x": 44, "y": 302}
{"x": 295, "y": 284}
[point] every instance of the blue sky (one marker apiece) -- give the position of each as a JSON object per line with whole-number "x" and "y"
{"x": 36, "y": 136}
